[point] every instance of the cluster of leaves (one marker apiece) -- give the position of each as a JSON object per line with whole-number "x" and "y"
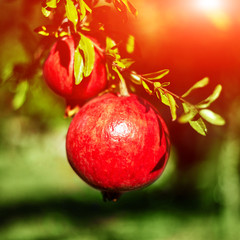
{"x": 49, "y": 6}
{"x": 76, "y": 16}
{"x": 194, "y": 114}
{"x": 77, "y": 10}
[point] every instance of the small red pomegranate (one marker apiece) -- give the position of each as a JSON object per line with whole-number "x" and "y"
{"x": 117, "y": 144}
{"x": 58, "y": 71}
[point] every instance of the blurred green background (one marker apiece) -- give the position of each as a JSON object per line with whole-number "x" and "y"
{"x": 197, "y": 197}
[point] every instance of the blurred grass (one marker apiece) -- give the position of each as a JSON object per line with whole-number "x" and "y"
{"x": 42, "y": 198}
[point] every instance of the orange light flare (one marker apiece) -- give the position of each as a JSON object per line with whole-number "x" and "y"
{"x": 192, "y": 39}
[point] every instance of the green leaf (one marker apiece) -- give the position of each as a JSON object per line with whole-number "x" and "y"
{"x": 135, "y": 78}
{"x": 186, "y": 107}
{"x": 71, "y": 12}
{"x": 212, "y": 117}
{"x": 189, "y": 113}
{"x": 165, "y": 84}
{"x": 42, "y": 30}
{"x": 146, "y": 87}
{"x": 186, "y": 117}
{"x": 156, "y": 85}
{"x": 111, "y": 48}
{"x": 199, "y": 126}
{"x": 87, "y": 47}
{"x": 52, "y": 3}
{"x": 110, "y": 43}
{"x": 82, "y": 2}
{"x": 130, "y": 44}
{"x": 164, "y": 98}
{"x": 78, "y": 66}
{"x": 62, "y": 34}
{"x": 206, "y": 103}
{"x": 119, "y": 64}
{"x": 124, "y": 63}
{"x": 127, "y": 62}
{"x": 127, "y": 4}
{"x": 167, "y": 99}
{"x": 173, "y": 105}
{"x": 84, "y": 8}
{"x": 158, "y": 94}
{"x": 45, "y": 12}
{"x": 20, "y": 95}
{"x": 200, "y": 84}
{"x": 156, "y": 75}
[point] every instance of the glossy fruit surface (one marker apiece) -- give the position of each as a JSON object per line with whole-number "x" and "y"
{"x": 58, "y": 71}
{"x": 117, "y": 143}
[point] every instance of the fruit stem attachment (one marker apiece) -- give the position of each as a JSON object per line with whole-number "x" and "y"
{"x": 122, "y": 84}
{"x": 123, "y": 88}
{"x": 110, "y": 196}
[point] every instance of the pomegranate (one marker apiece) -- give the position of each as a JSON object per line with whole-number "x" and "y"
{"x": 58, "y": 71}
{"x": 117, "y": 144}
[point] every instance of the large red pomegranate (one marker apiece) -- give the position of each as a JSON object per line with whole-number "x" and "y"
{"x": 118, "y": 143}
{"x": 58, "y": 71}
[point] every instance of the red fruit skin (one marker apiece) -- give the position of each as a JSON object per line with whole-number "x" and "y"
{"x": 118, "y": 144}
{"x": 58, "y": 71}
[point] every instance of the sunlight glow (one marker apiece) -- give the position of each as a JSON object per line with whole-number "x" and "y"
{"x": 216, "y": 11}
{"x": 209, "y": 5}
